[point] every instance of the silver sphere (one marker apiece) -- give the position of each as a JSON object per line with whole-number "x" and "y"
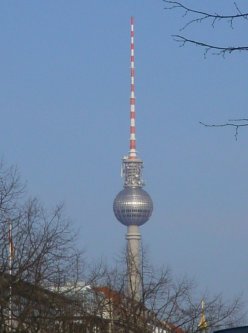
{"x": 133, "y": 206}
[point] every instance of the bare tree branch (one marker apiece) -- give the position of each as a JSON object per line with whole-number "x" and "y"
{"x": 229, "y": 124}
{"x": 213, "y": 18}
{"x": 220, "y": 50}
{"x": 200, "y": 16}
{"x": 203, "y": 15}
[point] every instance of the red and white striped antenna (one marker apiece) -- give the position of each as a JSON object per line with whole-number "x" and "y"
{"x": 132, "y": 151}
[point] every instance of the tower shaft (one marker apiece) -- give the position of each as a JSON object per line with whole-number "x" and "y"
{"x": 133, "y": 238}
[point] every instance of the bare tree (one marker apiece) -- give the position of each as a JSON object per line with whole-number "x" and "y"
{"x": 37, "y": 260}
{"x": 166, "y": 303}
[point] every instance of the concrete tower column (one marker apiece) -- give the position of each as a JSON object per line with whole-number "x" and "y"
{"x": 133, "y": 261}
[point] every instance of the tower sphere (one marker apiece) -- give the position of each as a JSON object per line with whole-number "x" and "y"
{"x": 133, "y": 206}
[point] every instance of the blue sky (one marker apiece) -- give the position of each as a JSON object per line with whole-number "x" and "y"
{"x": 64, "y": 104}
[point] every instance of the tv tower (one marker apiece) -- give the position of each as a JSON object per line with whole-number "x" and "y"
{"x": 133, "y": 206}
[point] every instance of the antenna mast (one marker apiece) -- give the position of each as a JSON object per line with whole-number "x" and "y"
{"x": 131, "y": 164}
{"x": 132, "y": 152}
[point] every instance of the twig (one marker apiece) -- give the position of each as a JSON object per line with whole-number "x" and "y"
{"x": 203, "y": 16}
{"x": 222, "y": 50}
{"x": 236, "y": 126}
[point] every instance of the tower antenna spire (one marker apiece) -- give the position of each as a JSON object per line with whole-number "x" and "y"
{"x": 132, "y": 151}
